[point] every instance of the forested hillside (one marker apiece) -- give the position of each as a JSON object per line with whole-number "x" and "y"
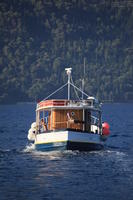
{"x": 39, "y": 38}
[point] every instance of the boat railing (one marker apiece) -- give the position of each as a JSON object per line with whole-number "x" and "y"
{"x": 94, "y": 120}
{"x": 95, "y": 125}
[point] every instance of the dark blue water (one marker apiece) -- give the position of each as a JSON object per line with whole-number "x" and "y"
{"x": 26, "y": 174}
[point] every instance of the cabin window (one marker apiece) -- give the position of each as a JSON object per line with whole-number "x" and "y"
{"x": 44, "y": 115}
{"x": 95, "y": 122}
{"x": 95, "y": 118}
{"x": 44, "y": 120}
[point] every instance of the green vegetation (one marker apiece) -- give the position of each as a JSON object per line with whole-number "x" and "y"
{"x": 39, "y": 38}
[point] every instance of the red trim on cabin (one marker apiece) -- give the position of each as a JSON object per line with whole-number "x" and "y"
{"x": 48, "y": 103}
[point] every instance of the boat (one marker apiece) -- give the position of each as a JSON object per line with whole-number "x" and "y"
{"x": 67, "y": 124}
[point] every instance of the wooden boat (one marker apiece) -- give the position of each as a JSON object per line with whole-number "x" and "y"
{"x": 67, "y": 124}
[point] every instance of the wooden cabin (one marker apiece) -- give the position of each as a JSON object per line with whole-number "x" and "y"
{"x": 62, "y": 119}
{"x": 63, "y": 114}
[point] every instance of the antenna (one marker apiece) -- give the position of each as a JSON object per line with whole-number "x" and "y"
{"x": 68, "y": 71}
{"x": 83, "y": 81}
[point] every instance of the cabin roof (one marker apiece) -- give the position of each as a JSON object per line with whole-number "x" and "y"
{"x": 66, "y": 104}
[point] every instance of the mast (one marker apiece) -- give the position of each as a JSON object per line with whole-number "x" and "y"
{"x": 68, "y": 71}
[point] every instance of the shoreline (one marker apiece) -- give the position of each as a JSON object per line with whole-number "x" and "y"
{"x": 32, "y": 103}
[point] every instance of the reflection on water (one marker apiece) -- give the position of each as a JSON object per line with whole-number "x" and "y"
{"x": 65, "y": 175}
{"x": 29, "y": 174}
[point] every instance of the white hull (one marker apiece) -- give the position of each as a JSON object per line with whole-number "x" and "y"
{"x": 68, "y": 140}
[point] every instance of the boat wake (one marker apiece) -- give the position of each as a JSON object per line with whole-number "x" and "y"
{"x": 115, "y": 155}
{"x": 29, "y": 148}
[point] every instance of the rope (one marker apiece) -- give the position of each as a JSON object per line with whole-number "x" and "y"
{"x": 55, "y": 92}
{"x": 79, "y": 90}
{"x": 72, "y": 84}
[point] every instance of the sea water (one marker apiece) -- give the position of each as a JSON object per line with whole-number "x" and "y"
{"x": 27, "y": 174}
